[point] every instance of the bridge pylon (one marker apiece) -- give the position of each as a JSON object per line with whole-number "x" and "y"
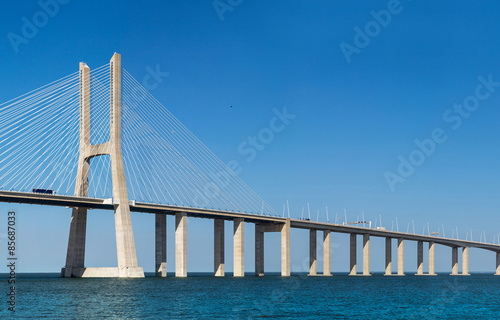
{"x": 125, "y": 245}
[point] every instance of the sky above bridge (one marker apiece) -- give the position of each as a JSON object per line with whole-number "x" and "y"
{"x": 389, "y": 108}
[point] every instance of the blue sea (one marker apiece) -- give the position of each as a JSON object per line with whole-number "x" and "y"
{"x": 201, "y": 296}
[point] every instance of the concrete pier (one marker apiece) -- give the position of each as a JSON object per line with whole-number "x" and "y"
{"x": 353, "y": 255}
{"x": 313, "y": 269}
{"x": 465, "y": 261}
{"x": 498, "y": 264}
{"x": 161, "y": 245}
{"x": 219, "y": 248}
{"x": 260, "y": 230}
{"x": 454, "y": 261}
{"x": 239, "y": 247}
{"x": 181, "y": 245}
{"x": 285, "y": 249}
{"x": 259, "y": 251}
{"x": 401, "y": 257}
{"x": 432, "y": 261}
{"x": 388, "y": 256}
{"x": 420, "y": 258}
{"x": 366, "y": 255}
{"x": 326, "y": 253}
{"x": 75, "y": 256}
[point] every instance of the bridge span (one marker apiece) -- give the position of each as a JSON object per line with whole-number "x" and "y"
{"x": 100, "y": 133}
{"x": 262, "y": 224}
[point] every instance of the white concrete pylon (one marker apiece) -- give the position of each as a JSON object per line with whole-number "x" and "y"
{"x": 125, "y": 244}
{"x": 75, "y": 256}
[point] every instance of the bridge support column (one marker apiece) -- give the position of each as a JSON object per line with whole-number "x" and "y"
{"x": 285, "y": 249}
{"x": 181, "y": 244}
{"x": 401, "y": 257}
{"x": 388, "y": 256}
{"x": 420, "y": 258}
{"x": 161, "y": 245}
{"x": 366, "y": 255}
{"x": 313, "y": 270}
{"x": 239, "y": 247}
{"x": 326, "y": 253}
{"x": 454, "y": 261}
{"x": 353, "y": 255}
{"x": 465, "y": 261}
{"x": 432, "y": 259}
{"x": 75, "y": 257}
{"x": 498, "y": 264}
{"x": 259, "y": 251}
{"x": 219, "y": 247}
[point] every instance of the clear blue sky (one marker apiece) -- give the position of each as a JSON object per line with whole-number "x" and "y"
{"x": 353, "y": 120}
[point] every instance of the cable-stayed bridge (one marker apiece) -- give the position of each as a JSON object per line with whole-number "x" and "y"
{"x": 97, "y": 139}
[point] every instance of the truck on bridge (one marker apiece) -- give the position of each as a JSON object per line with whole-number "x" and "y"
{"x": 44, "y": 191}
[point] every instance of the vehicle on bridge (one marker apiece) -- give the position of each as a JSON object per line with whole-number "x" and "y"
{"x": 44, "y": 191}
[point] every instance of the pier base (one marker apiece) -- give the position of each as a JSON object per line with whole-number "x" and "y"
{"x": 133, "y": 272}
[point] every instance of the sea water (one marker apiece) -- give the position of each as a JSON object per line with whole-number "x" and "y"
{"x": 202, "y": 296}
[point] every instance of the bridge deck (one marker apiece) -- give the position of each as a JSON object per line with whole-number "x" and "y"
{"x": 94, "y": 203}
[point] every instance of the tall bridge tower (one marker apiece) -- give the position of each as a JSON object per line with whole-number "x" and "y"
{"x": 125, "y": 245}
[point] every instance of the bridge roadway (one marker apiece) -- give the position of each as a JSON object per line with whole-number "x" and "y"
{"x": 263, "y": 224}
{"x": 96, "y": 203}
